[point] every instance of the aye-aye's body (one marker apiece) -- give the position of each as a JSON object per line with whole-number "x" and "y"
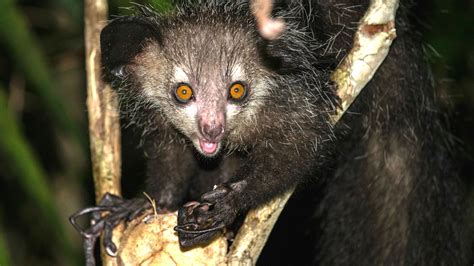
{"x": 222, "y": 106}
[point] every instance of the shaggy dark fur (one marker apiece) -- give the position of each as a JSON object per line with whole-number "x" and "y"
{"x": 394, "y": 198}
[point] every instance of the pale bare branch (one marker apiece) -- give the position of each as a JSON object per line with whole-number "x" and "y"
{"x": 104, "y": 125}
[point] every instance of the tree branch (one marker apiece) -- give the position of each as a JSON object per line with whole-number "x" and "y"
{"x": 104, "y": 124}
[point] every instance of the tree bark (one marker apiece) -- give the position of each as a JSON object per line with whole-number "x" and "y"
{"x": 104, "y": 124}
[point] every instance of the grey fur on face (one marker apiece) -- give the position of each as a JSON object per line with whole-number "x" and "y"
{"x": 209, "y": 61}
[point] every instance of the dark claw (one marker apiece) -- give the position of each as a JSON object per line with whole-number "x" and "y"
{"x": 191, "y": 203}
{"x": 104, "y": 218}
{"x": 94, "y": 230}
{"x": 134, "y": 214}
{"x": 95, "y": 226}
{"x": 89, "y": 244}
{"x": 110, "y": 247}
{"x": 200, "y": 222}
{"x": 194, "y": 228}
{"x": 190, "y": 232}
{"x": 186, "y": 240}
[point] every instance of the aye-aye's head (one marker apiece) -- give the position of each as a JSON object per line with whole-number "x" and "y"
{"x": 201, "y": 69}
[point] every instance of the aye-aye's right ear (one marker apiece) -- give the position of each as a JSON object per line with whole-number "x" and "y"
{"x": 122, "y": 39}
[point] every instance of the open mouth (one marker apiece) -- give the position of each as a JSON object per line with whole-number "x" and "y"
{"x": 208, "y": 148}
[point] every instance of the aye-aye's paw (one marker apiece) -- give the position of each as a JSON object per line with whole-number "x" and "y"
{"x": 110, "y": 211}
{"x": 199, "y": 222}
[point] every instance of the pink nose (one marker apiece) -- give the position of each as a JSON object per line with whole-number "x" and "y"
{"x": 212, "y": 126}
{"x": 212, "y": 132}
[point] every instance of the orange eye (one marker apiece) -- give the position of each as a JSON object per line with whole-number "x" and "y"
{"x": 183, "y": 93}
{"x": 237, "y": 92}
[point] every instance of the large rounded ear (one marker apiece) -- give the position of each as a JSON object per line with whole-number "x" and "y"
{"x": 122, "y": 39}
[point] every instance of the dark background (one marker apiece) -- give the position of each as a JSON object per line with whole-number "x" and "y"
{"x": 44, "y": 156}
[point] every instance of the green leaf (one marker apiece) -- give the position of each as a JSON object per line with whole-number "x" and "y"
{"x": 19, "y": 156}
{"x": 25, "y": 52}
{"x": 4, "y": 256}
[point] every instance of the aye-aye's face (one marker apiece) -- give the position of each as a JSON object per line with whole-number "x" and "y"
{"x": 206, "y": 80}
